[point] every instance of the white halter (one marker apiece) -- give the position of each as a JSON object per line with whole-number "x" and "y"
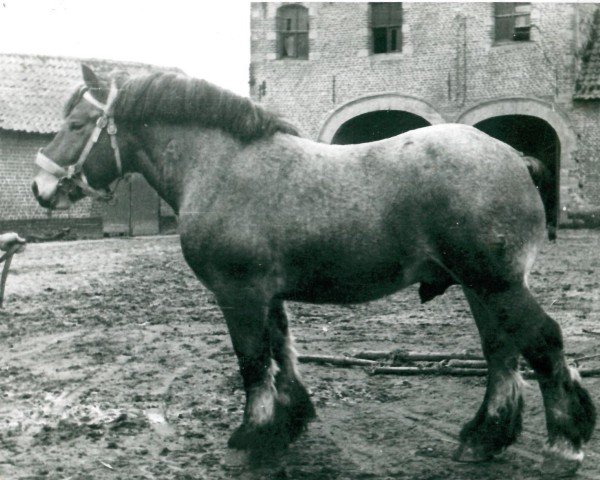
{"x": 74, "y": 173}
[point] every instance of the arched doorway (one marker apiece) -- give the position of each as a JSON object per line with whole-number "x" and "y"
{"x": 385, "y": 108}
{"x": 535, "y": 138}
{"x": 377, "y": 125}
{"x": 565, "y": 177}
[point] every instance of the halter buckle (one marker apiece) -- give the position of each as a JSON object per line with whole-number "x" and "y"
{"x": 67, "y": 185}
{"x": 102, "y": 122}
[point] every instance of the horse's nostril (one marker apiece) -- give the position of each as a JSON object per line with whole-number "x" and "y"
{"x": 34, "y": 189}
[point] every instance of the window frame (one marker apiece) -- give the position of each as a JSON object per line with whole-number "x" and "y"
{"x": 286, "y": 16}
{"x": 519, "y": 33}
{"x": 392, "y": 26}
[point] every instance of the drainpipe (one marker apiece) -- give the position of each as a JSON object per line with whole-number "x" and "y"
{"x": 333, "y": 92}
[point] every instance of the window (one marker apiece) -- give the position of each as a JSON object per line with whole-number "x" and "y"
{"x": 512, "y": 21}
{"x": 292, "y": 32}
{"x": 386, "y": 25}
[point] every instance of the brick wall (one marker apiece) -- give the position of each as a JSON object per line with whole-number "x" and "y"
{"x": 19, "y": 209}
{"x": 17, "y": 169}
{"x": 431, "y": 65}
{"x": 586, "y": 118}
{"x": 449, "y": 60}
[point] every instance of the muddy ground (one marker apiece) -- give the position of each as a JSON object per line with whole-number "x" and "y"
{"x": 115, "y": 363}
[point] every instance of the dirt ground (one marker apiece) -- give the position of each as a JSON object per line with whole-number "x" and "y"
{"x": 115, "y": 363}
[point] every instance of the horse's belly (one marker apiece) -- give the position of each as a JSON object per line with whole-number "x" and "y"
{"x": 338, "y": 296}
{"x": 364, "y": 287}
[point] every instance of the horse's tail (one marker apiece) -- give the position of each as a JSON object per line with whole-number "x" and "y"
{"x": 540, "y": 174}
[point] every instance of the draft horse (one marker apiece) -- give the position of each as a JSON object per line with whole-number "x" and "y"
{"x": 266, "y": 216}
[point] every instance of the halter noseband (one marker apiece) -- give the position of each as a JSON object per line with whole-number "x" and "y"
{"x": 74, "y": 173}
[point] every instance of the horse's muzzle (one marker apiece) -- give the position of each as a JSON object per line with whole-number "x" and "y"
{"x": 42, "y": 201}
{"x": 62, "y": 198}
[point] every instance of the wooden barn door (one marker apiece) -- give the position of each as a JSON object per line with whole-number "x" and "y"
{"x": 134, "y": 210}
{"x": 115, "y": 218}
{"x": 144, "y": 207}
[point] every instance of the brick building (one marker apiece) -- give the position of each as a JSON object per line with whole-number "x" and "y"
{"x": 33, "y": 92}
{"x": 527, "y": 73}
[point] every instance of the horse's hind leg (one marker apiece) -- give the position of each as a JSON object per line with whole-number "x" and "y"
{"x": 570, "y": 413}
{"x": 296, "y": 409}
{"x": 499, "y": 418}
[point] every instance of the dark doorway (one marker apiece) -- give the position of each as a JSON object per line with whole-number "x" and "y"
{"x": 377, "y": 125}
{"x": 533, "y": 137}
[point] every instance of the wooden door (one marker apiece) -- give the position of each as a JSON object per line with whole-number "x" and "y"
{"x": 134, "y": 210}
{"x": 144, "y": 207}
{"x": 116, "y": 214}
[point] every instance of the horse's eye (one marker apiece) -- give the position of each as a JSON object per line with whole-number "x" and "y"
{"x": 74, "y": 126}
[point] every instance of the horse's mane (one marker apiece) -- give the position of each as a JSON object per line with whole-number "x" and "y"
{"x": 182, "y": 100}
{"x": 174, "y": 98}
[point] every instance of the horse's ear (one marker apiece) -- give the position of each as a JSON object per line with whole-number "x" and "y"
{"x": 95, "y": 85}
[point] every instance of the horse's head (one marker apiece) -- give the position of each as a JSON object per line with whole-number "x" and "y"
{"x": 84, "y": 157}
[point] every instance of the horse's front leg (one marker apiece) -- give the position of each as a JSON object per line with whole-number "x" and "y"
{"x": 246, "y": 312}
{"x": 296, "y": 409}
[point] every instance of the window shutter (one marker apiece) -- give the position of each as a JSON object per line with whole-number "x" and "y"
{"x": 395, "y": 14}
{"x": 302, "y": 45}
{"x": 504, "y": 28}
{"x": 302, "y": 20}
{"x": 504, "y": 8}
{"x": 379, "y": 14}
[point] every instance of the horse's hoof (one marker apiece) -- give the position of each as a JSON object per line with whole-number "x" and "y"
{"x": 467, "y": 454}
{"x": 267, "y": 438}
{"x": 240, "y": 439}
{"x": 561, "y": 461}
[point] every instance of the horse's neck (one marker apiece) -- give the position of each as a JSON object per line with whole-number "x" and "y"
{"x": 170, "y": 157}
{"x": 152, "y": 173}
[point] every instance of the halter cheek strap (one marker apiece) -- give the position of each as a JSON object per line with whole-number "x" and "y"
{"x": 88, "y": 96}
{"x": 74, "y": 172}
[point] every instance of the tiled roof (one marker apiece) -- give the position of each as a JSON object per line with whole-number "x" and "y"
{"x": 587, "y": 85}
{"x": 35, "y": 88}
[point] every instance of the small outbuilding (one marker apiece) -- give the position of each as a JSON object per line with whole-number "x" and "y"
{"x": 33, "y": 92}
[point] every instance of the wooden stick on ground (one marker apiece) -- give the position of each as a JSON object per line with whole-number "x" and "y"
{"x": 453, "y": 367}
{"x": 445, "y": 371}
{"x": 7, "y": 258}
{"x": 417, "y": 356}
{"x": 589, "y": 372}
{"x": 587, "y": 357}
{"x": 466, "y": 364}
{"x": 584, "y": 372}
{"x": 461, "y": 372}
{"x": 340, "y": 361}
